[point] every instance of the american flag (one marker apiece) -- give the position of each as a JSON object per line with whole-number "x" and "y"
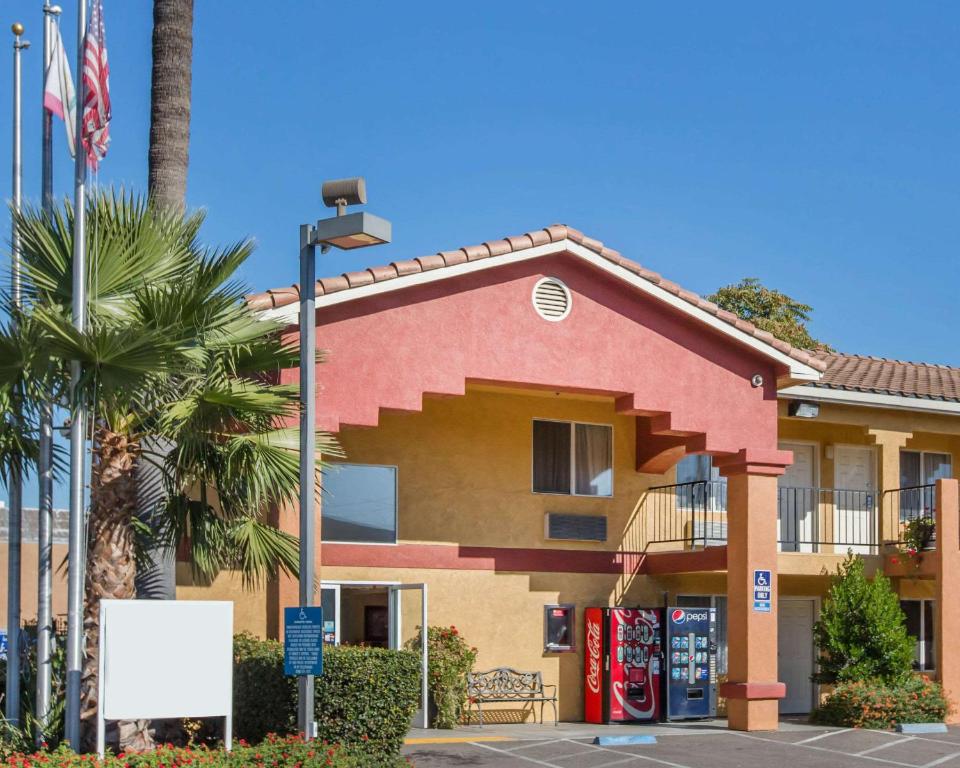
{"x": 96, "y": 89}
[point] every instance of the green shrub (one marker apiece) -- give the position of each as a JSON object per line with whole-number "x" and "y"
{"x": 874, "y": 704}
{"x": 365, "y": 698}
{"x": 275, "y": 752}
{"x": 264, "y": 699}
{"x": 450, "y": 660}
{"x": 861, "y": 633}
{"x": 53, "y": 728}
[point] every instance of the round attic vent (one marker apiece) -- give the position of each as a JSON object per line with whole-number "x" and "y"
{"x": 551, "y": 299}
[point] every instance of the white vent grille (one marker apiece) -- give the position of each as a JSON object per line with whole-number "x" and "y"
{"x": 551, "y": 299}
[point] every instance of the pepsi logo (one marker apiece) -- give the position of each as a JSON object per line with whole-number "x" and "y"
{"x": 678, "y": 616}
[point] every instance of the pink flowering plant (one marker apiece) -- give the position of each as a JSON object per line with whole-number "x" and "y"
{"x": 451, "y": 659}
{"x": 274, "y": 752}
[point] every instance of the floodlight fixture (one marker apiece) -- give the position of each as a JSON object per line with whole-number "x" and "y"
{"x": 348, "y": 231}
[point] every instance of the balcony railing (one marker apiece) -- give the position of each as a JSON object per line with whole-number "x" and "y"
{"x": 909, "y": 515}
{"x": 808, "y": 520}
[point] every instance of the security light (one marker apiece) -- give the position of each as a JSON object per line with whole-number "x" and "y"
{"x": 803, "y": 409}
{"x": 355, "y": 230}
{"x": 349, "y": 231}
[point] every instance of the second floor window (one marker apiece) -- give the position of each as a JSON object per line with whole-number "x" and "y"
{"x": 359, "y": 504}
{"x": 919, "y": 469}
{"x": 572, "y": 458}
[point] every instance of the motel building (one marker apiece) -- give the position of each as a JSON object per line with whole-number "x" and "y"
{"x": 538, "y": 423}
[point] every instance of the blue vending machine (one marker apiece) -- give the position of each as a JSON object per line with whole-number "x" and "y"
{"x": 691, "y": 663}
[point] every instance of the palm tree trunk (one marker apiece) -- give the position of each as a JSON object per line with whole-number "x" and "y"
{"x": 110, "y": 562}
{"x": 170, "y": 102}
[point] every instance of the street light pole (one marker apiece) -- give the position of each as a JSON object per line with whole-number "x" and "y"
{"x": 346, "y": 232}
{"x": 75, "y": 547}
{"x": 308, "y": 459}
{"x": 15, "y": 487}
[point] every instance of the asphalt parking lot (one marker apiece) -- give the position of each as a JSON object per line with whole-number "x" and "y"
{"x": 807, "y": 748}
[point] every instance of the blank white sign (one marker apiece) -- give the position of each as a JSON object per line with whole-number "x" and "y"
{"x": 165, "y": 658}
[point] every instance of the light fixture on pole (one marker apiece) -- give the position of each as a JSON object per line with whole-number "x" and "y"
{"x": 15, "y": 481}
{"x": 344, "y": 231}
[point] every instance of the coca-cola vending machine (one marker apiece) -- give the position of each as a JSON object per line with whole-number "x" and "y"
{"x": 622, "y": 665}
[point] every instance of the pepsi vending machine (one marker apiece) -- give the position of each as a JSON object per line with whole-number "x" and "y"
{"x": 622, "y": 665}
{"x": 691, "y": 663}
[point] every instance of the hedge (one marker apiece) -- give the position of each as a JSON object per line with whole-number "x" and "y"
{"x": 874, "y": 704}
{"x": 275, "y": 752}
{"x": 365, "y": 698}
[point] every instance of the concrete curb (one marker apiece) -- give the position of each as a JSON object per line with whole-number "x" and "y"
{"x": 619, "y": 741}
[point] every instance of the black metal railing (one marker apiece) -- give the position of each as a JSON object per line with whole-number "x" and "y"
{"x": 693, "y": 514}
{"x": 909, "y": 515}
{"x": 809, "y": 519}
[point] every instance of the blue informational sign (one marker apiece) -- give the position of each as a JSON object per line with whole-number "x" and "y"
{"x": 3, "y": 644}
{"x": 303, "y": 641}
{"x": 762, "y": 591}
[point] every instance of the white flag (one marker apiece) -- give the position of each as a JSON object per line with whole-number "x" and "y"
{"x": 58, "y": 95}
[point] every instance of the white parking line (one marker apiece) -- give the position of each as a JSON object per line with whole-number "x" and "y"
{"x": 633, "y": 756}
{"x": 803, "y": 745}
{"x": 941, "y": 760}
{"x": 885, "y": 746}
{"x": 514, "y": 755}
{"x": 822, "y": 736}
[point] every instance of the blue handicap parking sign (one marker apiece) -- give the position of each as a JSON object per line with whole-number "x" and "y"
{"x": 303, "y": 641}
{"x": 762, "y": 591}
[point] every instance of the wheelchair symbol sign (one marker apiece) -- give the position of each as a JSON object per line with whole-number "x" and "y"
{"x": 762, "y": 591}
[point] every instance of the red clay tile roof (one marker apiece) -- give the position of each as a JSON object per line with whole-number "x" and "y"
{"x": 878, "y": 375}
{"x": 279, "y": 297}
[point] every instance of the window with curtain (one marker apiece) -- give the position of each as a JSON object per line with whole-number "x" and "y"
{"x": 572, "y": 458}
{"x": 919, "y": 621}
{"x": 920, "y": 468}
{"x": 359, "y": 504}
{"x": 711, "y": 496}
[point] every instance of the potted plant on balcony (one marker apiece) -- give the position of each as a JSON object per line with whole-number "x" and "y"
{"x": 920, "y": 535}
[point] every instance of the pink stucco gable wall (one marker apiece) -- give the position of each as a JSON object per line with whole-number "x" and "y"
{"x": 389, "y": 350}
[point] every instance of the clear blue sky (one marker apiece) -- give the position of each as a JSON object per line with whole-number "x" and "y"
{"x": 815, "y": 146}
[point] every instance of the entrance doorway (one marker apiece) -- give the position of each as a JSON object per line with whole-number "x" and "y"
{"x": 797, "y": 518}
{"x": 374, "y": 614}
{"x": 795, "y": 618}
{"x": 854, "y": 526}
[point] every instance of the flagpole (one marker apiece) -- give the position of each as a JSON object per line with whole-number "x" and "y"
{"x": 75, "y": 566}
{"x": 15, "y": 517}
{"x": 45, "y": 632}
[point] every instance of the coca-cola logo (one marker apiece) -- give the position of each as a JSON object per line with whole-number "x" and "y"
{"x": 593, "y": 656}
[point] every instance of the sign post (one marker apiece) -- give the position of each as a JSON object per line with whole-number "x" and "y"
{"x": 303, "y": 648}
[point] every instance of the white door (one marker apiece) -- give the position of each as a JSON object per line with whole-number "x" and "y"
{"x": 854, "y": 522}
{"x": 795, "y": 654}
{"x": 798, "y": 500}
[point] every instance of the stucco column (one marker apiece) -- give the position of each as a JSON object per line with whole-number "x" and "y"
{"x": 889, "y": 442}
{"x": 947, "y": 607}
{"x": 753, "y": 690}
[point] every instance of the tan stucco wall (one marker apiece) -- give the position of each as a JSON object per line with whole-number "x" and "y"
{"x": 465, "y": 478}
{"x": 464, "y": 468}
{"x": 28, "y": 591}
{"x": 249, "y": 604}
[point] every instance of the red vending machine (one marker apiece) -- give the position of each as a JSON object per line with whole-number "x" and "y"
{"x": 622, "y": 665}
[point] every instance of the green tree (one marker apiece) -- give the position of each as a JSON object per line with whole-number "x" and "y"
{"x": 861, "y": 633}
{"x": 770, "y": 311}
{"x": 171, "y": 355}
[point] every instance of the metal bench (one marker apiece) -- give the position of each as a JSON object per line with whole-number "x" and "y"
{"x": 504, "y": 685}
